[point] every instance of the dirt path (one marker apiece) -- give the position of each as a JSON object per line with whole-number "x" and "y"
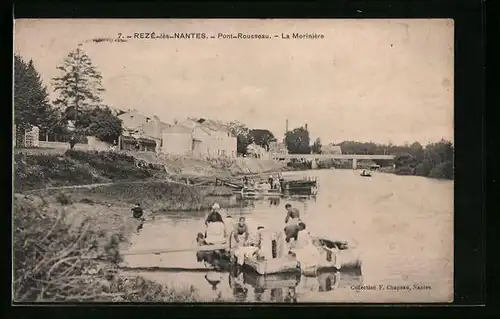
{"x": 85, "y": 186}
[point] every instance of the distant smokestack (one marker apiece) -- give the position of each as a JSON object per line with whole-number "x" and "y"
{"x": 286, "y": 126}
{"x": 306, "y": 126}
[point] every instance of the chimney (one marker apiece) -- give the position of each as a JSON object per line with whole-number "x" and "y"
{"x": 286, "y": 126}
{"x": 157, "y": 127}
{"x": 306, "y": 126}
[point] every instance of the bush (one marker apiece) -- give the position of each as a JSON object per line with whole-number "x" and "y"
{"x": 442, "y": 171}
{"x": 64, "y": 199}
{"x": 55, "y": 261}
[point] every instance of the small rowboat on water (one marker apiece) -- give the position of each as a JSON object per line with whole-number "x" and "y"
{"x": 366, "y": 173}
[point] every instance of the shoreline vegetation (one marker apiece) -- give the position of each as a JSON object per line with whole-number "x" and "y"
{"x": 67, "y": 241}
{"x": 435, "y": 160}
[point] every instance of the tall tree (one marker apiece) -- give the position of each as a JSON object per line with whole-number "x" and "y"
{"x": 316, "y": 147}
{"x": 297, "y": 141}
{"x": 31, "y": 100}
{"x": 262, "y": 137}
{"x": 79, "y": 86}
{"x": 242, "y": 134}
{"x": 102, "y": 123}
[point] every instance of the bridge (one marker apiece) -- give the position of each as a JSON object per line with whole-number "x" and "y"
{"x": 314, "y": 157}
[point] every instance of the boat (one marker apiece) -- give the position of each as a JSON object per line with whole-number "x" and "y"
{"x": 366, "y": 173}
{"x": 334, "y": 254}
{"x": 285, "y": 264}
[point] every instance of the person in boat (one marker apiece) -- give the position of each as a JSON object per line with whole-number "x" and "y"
{"x": 214, "y": 215}
{"x": 292, "y": 231}
{"x": 264, "y": 244}
{"x": 241, "y": 234}
{"x": 292, "y": 215}
{"x": 303, "y": 248}
{"x": 271, "y": 181}
{"x": 277, "y": 184}
{"x": 240, "y": 244}
{"x": 215, "y": 232}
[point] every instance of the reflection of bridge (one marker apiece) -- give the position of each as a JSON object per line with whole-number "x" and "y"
{"x": 314, "y": 157}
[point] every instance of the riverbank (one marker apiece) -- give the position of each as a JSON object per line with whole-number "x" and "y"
{"x": 61, "y": 255}
{"x": 94, "y": 191}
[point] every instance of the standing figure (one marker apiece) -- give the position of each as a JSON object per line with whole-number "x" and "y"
{"x": 72, "y": 142}
{"x": 271, "y": 181}
{"x": 138, "y": 215}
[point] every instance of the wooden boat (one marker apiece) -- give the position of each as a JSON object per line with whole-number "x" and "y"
{"x": 286, "y": 264}
{"x": 334, "y": 254}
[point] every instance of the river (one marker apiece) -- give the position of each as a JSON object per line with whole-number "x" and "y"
{"x": 402, "y": 227}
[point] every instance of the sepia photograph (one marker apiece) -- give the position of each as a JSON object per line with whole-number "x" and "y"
{"x": 233, "y": 161}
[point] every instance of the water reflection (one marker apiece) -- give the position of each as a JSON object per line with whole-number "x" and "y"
{"x": 248, "y": 286}
{"x": 274, "y": 201}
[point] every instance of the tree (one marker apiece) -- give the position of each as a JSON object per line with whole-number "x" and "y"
{"x": 262, "y": 137}
{"x": 242, "y": 134}
{"x": 79, "y": 87}
{"x": 31, "y": 102}
{"x": 297, "y": 141}
{"x": 316, "y": 147}
{"x": 102, "y": 123}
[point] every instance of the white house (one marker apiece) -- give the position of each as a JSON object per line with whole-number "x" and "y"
{"x": 200, "y": 138}
{"x": 278, "y": 148}
{"x": 177, "y": 140}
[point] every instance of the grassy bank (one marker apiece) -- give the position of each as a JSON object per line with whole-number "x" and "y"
{"x": 154, "y": 196}
{"x": 35, "y": 171}
{"x": 58, "y": 257}
{"x": 67, "y": 241}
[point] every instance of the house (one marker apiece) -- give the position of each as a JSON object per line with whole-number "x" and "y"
{"x": 278, "y": 148}
{"x": 177, "y": 140}
{"x": 331, "y": 149}
{"x": 257, "y": 151}
{"x": 198, "y": 137}
{"x": 139, "y": 127}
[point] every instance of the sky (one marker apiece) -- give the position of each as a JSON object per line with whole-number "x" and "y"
{"x": 366, "y": 80}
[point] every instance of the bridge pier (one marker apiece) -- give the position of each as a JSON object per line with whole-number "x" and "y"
{"x": 314, "y": 163}
{"x": 354, "y": 163}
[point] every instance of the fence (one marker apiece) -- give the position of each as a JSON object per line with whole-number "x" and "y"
{"x": 61, "y": 138}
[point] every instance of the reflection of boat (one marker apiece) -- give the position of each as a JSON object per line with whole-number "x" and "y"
{"x": 287, "y": 280}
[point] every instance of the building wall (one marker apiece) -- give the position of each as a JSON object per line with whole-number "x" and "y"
{"x": 94, "y": 144}
{"x": 132, "y": 119}
{"x": 177, "y": 143}
{"x": 63, "y": 146}
{"x": 217, "y": 144}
